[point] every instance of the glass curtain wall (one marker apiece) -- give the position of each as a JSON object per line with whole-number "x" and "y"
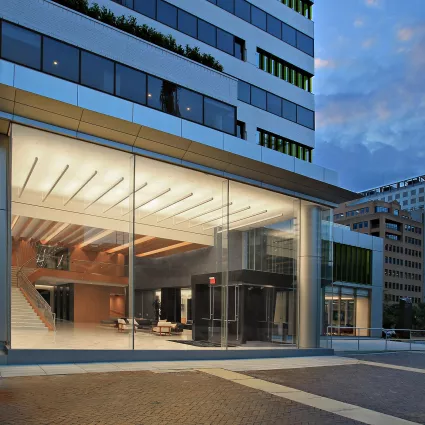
{"x": 113, "y": 250}
{"x": 70, "y": 286}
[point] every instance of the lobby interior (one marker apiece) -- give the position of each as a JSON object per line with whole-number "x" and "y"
{"x": 104, "y": 234}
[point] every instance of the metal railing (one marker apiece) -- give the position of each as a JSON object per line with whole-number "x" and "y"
{"x": 34, "y": 297}
{"x": 375, "y": 339}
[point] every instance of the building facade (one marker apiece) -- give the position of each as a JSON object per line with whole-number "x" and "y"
{"x": 409, "y": 193}
{"x": 353, "y": 299}
{"x": 145, "y": 182}
{"x": 403, "y": 244}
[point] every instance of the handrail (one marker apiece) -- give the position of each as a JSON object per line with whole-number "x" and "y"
{"x": 35, "y": 299}
{"x": 388, "y": 334}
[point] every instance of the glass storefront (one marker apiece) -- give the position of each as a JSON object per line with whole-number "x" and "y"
{"x": 113, "y": 250}
{"x": 346, "y": 311}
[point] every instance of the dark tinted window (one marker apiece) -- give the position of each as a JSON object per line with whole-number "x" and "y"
{"x": 258, "y": 18}
{"x": 227, "y": 5}
{"x": 190, "y": 105}
{"x": 274, "y": 26}
{"x": 289, "y": 110}
{"x": 219, "y": 116}
{"x": 97, "y": 72}
{"x": 162, "y": 95}
{"x": 258, "y": 97}
{"x": 130, "y": 84}
{"x": 20, "y": 45}
{"x": 243, "y": 10}
{"x": 240, "y": 130}
{"x": 239, "y": 48}
{"x": 213, "y": 1}
{"x": 244, "y": 92}
{"x": 167, "y": 14}
{"x": 187, "y": 23}
{"x": 305, "y": 117}
{"x": 60, "y": 59}
{"x": 206, "y": 32}
{"x": 289, "y": 34}
{"x": 274, "y": 104}
{"x": 225, "y": 41}
{"x": 147, "y": 7}
{"x": 305, "y": 43}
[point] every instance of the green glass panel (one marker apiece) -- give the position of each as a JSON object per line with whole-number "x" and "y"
{"x": 287, "y": 147}
{"x": 272, "y": 142}
{"x": 280, "y": 146}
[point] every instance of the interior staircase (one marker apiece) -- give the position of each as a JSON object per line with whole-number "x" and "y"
{"x": 23, "y": 315}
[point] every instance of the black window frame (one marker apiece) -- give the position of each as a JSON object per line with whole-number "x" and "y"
{"x": 207, "y": 25}
{"x": 181, "y": 11}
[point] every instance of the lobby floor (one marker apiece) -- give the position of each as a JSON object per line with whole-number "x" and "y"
{"x": 104, "y": 338}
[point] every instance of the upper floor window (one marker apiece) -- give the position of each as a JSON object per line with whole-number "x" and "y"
{"x": 269, "y": 23}
{"x": 276, "y": 105}
{"x": 304, "y": 7}
{"x": 284, "y": 70}
{"x": 100, "y": 73}
{"x": 21, "y": 45}
{"x": 381, "y": 209}
{"x": 286, "y": 146}
{"x": 174, "y": 17}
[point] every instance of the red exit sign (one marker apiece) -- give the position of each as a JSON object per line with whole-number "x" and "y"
{"x": 212, "y": 280}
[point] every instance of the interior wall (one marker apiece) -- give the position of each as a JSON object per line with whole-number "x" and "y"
{"x": 22, "y": 252}
{"x": 86, "y": 261}
{"x": 362, "y": 315}
{"x": 116, "y": 305}
{"x": 92, "y": 302}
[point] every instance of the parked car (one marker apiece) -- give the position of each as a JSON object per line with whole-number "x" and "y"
{"x": 388, "y": 333}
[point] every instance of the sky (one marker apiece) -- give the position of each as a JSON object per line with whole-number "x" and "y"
{"x": 369, "y": 90}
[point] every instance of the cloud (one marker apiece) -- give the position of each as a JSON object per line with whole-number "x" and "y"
{"x": 358, "y": 23}
{"x": 405, "y": 34}
{"x": 372, "y": 3}
{"x": 368, "y": 43}
{"x": 324, "y": 63}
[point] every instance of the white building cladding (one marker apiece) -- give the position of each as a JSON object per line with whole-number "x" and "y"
{"x": 185, "y": 199}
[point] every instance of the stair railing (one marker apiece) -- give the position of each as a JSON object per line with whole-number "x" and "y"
{"x": 35, "y": 299}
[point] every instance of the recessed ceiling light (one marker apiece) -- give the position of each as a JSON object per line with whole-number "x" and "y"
{"x": 149, "y": 95}
{"x": 188, "y": 109}
{"x": 55, "y": 62}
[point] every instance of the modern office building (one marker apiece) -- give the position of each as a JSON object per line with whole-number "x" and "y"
{"x": 403, "y": 244}
{"x": 410, "y": 193}
{"x": 146, "y": 180}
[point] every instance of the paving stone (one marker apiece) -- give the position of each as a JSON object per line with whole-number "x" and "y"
{"x": 393, "y": 392}
{"x": 147, "y": 398}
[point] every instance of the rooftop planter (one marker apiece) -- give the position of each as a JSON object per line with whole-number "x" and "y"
{"x": 130, "y": 26}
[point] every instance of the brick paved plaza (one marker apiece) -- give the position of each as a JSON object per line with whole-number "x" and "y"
{"x": 331, "y": 390}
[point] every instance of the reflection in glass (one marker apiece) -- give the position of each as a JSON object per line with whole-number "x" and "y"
{"x": 61, "y": 59}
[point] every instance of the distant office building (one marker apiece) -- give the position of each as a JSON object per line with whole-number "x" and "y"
{"x": 403, "y": 244}
{"x": 409, "y": 193}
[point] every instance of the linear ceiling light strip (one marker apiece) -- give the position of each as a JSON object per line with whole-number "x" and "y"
{"x": 28, "y": 177}
{"x": 126, "y": 245}
{"x": 125, "y": 197}
{"x": 55, "y": 233}
{"x": 81, "y": 188}
{"x": 219, "y": 217}
{"x": 169, "y": 205}
{"x": 55, "y": 183}
{"x": 166, "y": 248}
{"x": 149, "y": 200}
{"x": 252, "y": 223}
{"x": 104, "y": 193}
{"x": 15, "y": 220}
{"x": 95, "y": 238}
{"x": 206, "y": 212}
{"x": 239, "y": 219}
{"x": 186, "y": 209}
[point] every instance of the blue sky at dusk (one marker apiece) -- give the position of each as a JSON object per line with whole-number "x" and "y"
{"x": 370, "y": 89}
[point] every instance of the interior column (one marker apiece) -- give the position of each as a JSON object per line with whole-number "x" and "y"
{"x": 309, "y": 276}
{"x": 5, "y": 241}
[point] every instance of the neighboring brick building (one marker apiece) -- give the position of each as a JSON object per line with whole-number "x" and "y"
{"x": 403, "y": 244}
